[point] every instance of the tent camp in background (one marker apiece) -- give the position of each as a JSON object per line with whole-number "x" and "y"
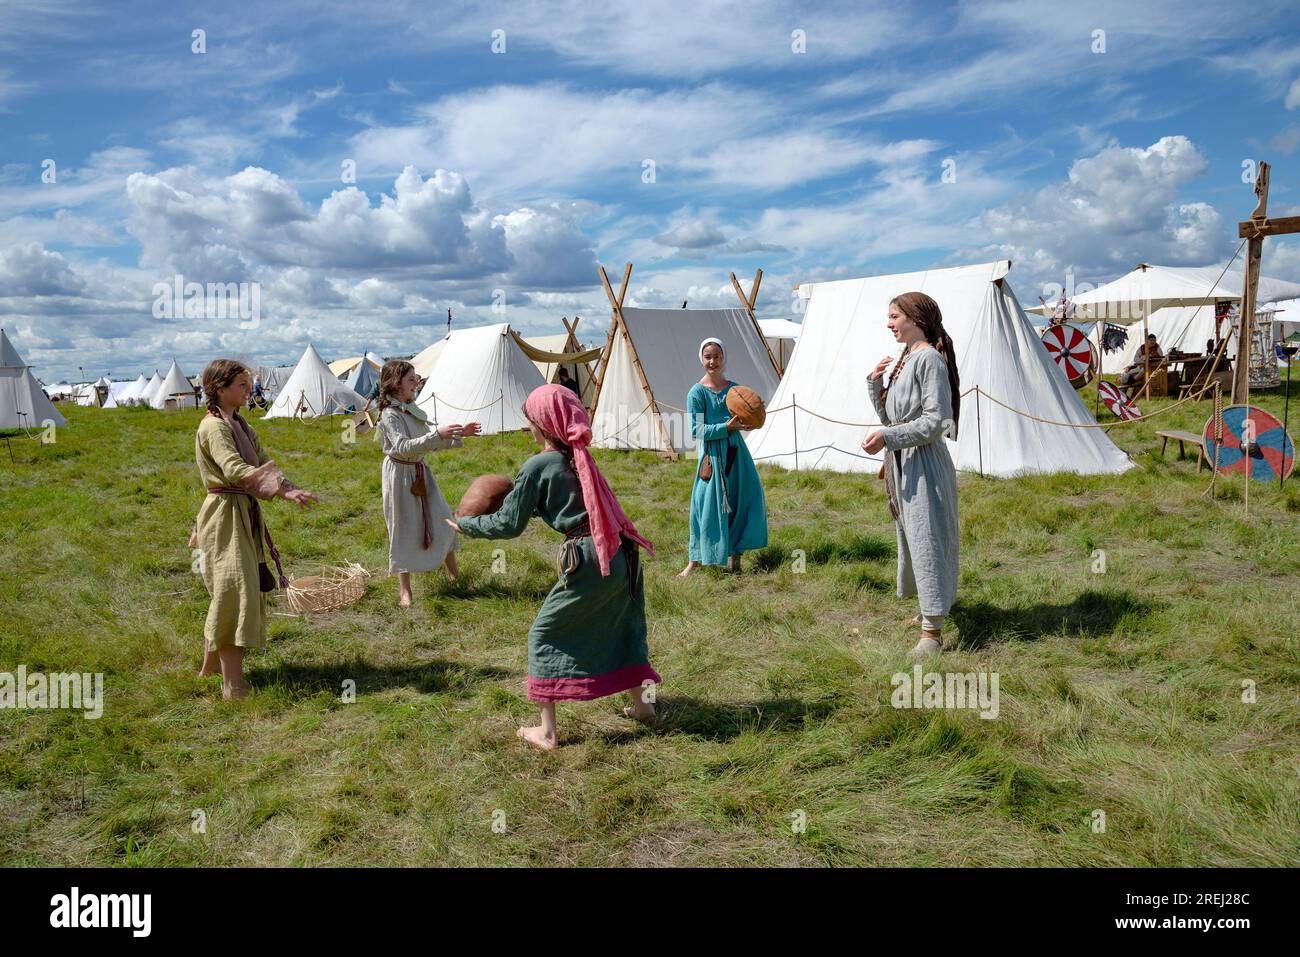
{"x": 273, "y": 379}
{"x": 480, "y": 375}
{"x": 844, "y": 336}
{"x": 174, "y": 392}
{"x": 781, "y": 336}
{"x": 651, "y": 360}
{"x": 135, "y": 393}
{"x": 151, "y": 387}
{"x": 313, "y": 390}
{"x": 23, "y": 403}
{"x": 364, "y": 374}
{"x": 543, "y": 349}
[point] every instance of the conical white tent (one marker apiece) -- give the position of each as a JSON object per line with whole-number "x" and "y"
{"x": 663, "y": 344}
{"x": 152, "y": 386}
{"x": 174, "y": 392}
{"x": 312, "y": 390}
{"x": 844, "y": 336}
{"x": 481, "y": 375}
{"x": 23, "y": 403}
{"x": 134, "y": 392}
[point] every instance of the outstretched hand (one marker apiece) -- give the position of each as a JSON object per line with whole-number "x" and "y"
{"x": 880, "y": 368}
{"x": 301, "y": 497}
{"x": 454, "y": 526}
{"x": 471, "y": 428}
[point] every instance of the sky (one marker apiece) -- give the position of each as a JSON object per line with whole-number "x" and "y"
{"x": 363, "y": 168}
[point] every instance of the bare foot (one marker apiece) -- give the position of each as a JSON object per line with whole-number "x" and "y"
{"x": 211, "y": 665}
{"x": 646, "y": 714}
{"x": 234, "y": 692}
{"x": 690, "y": 567}
{"x": 536, "y": 736}
{"x": 733, "y": 564}
{"x": 404, "y": 601}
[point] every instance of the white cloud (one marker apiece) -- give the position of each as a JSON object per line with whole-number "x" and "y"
{"x": 32, "y": 270}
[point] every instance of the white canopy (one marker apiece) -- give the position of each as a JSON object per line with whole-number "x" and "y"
{"x": 313, "y": 390}
{"x": 844, "y": 336}
{"x": 23, "y": 403}
{"x": 562, "y": 344}
{"x": 174, "y": 391}
{"x": 152, "y": 386}
{"x": 665, "y": 344}
{"x": 1149, "y": 288}
{"x": 781, "y": 336}
{"x": 480, "y": 375}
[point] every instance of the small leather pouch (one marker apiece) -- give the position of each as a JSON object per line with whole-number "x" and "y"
{"x": 706, "y": 467}
{"x": 265, "y": 580}
{"x": 417, "y": 487}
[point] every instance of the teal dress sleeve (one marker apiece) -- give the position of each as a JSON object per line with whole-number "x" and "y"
{"x": 697, "y": 404}
{"x": 510, "y": 520}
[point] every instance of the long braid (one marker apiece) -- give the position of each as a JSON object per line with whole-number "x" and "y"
{"x": 925, "y": 312}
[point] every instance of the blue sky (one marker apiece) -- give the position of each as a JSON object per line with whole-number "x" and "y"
{"x": 808, "y": 139}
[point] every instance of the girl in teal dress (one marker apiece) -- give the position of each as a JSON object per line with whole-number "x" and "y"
{"x": 589, "y": 639}
{"x": 728, "y": 513}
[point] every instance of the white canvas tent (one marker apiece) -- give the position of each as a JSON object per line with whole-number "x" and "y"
{"x": 23, "y": 403}
{"x": 151, "y": 387}
{"x": 174, "y": 392}
{"x": 427, "y": 358}
{"x": 480, "y": 375}
{"x": 844, "y": 336}
{"x": 651, "y": 360}
{"x": 781, "y": 336}
{"x": 134, "y": 392}
{"x": 313, "y": 390}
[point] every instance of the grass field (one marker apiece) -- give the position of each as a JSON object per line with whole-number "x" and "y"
{"x": 1120, "y": 691}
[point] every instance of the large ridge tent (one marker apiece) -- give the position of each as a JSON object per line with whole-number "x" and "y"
{"x": 313, "y": 390}
{"x": 23, "y": 403}
{"x": 174, "y": 391}
{"x": 781, "y": 336}
{"x": 547, "y": 352}
{"x": 651, "y": 360}
{"x": 273, "y": 379}
{"x": 481, "y": 375}
{"x": 424, "y": 360}
{"x": 844, "y": 336}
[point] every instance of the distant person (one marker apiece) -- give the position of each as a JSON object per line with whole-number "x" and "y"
{"x": 414, "y": 508}
{"x": 916, "y": 407}
{"x": 1132, "y": 377}
{"x": 259, "y": 398}
{"x": 231, "y": 532}
{"x": 569, "y": 382}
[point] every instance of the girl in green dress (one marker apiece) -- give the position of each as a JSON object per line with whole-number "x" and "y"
{"x": 589, "y": 639}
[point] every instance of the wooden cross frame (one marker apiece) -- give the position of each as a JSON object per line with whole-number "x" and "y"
{"x": 1254, "y": 230}
{"x": 619, "y": 323}
{"x": 748, "y": 303}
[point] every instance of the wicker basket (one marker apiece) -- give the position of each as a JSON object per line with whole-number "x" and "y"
{"x": 335, "y": 587}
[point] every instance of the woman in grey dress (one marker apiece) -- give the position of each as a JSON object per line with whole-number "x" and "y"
{"x": 918, "y": 406}
{"x": 414, "y": 509}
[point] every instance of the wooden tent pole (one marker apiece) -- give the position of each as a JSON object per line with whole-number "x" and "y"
{"x": 670, "y": 451}
{"x": 748, "y": 302}
{"x": 614, "y": 304}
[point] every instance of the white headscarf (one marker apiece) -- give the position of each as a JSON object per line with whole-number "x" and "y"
{"x": 716, "y": 342}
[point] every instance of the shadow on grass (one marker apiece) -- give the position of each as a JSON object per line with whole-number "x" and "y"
{"x": 430, "y": 677}
{"x": 1090, "y": 615}
{"x": 723, "y": 722}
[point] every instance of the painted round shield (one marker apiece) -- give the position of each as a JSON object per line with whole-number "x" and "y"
{"x": 1254, "y": 444}
{"x": 1117, "y": 401}
{"x": 1071, "y": 350}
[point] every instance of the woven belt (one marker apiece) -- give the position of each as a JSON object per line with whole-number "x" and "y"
{"x": 427, "y": 540}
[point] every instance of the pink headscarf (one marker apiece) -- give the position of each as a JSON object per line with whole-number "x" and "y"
{"x": 559, "y": 413}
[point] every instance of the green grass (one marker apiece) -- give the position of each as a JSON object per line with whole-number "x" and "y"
{"x": 1119, "y": 692}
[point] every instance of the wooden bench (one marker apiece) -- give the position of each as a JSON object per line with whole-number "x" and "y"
{"x": 1182, "y": 438}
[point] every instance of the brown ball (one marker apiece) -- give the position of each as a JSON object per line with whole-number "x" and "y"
{"x": 484, "y": 495}
{"x": 746, "y": 406}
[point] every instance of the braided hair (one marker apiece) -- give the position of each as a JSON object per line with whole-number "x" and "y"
{"x": 924, "y": 311}
{"x": 220, "y": 374}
